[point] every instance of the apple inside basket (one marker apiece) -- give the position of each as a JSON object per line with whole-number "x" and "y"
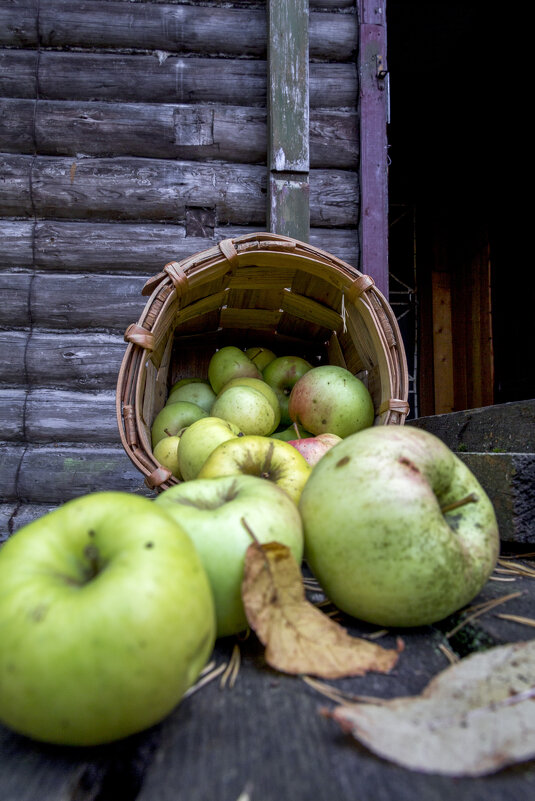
{"x": 259, "y": 290}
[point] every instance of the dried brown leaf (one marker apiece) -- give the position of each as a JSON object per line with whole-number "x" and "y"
{"x": 472, "y": 719}
{"x": 298, "y": 637}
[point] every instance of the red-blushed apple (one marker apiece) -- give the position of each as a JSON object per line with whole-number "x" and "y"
{"x": 106, "y": 619}
{"x": 330, "y": 399}
{"x": 313, "y": 448}
{"x": 260, "y": 356}
{"x": 247, "y": 408}
{"x": 227, "y": 363}
{"x": 173, "y": 418}
{"x": 398, "y": 531}
{"x": 199, "y": 440}
{"x": 282, "y": 374}
{"x": 264, "y": 457}
{"x": 211, "y": 511}
{"x": 261, "y": 386}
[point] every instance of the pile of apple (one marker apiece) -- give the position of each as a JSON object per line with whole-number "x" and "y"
{"x": 111, "y": 604}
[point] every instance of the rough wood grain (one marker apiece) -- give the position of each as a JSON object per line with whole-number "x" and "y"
{"x": 157, "y": 189}
{"x": 164, "y": 130}
{"x": 133, "y": 248}
{"x": 149, "y": 79}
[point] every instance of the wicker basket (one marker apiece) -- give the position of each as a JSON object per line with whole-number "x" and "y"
{"x": 260, "y": 289}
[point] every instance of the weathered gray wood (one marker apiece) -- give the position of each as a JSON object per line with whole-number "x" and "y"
{"x": 163, "y": 130}
{"x": 134, "y": 248}
{"x": 18, "y": 23}
{"x": 67, "y": 360}
{"x": 504, "y": 427}
{"x": 509, "y": 480}
{"x": 16, "y": 514}
{"x": 157, "y": 189}
{"x": 52, "y": 474}
{"x": 147, "y": 78}
{"x": 12, "y": 403}
{"x": 14, "y": 304}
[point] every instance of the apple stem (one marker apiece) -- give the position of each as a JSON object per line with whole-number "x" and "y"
{"x": 296, "y": 427}
{"x": 249, "y": 530}
{"x": 471, "y": 498}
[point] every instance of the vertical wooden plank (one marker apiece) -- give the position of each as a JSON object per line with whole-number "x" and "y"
{"x": 288, "y": 119}
{"x": 442, "y": 342}
{"x": 373, "y": 106}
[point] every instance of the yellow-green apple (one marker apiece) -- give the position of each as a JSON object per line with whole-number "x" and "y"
{"x": 313, "y": 448}
{"x": 260, "y": 356}
{"x": 261, "y": 386}
{"x": 330, "y": 399}
{"x": 264, "y": 457}
{"x": 198, "y": 392}
{"x": 211, "y": 511}
{"x": 166, "y": 453}
{"x": 188, "y": 380}
{"x": 281, "y": 374}
{"x": 199, "y": 440}
{"x": 230, "y": 362}
{"x": 398, "y": 531}
{"x": 247, "y": 408}
{"x": 106, "y": 619}
{"x": 173, "y": 418}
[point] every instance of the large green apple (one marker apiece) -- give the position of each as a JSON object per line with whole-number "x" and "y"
{"x": 398, "y": 531}
{"x": 282, "y": 374}
{"x": 247, "y": 408}
{"x": 173, "y": 418}
{"x": 230, "y": 362}
{"x": 211, "y": 511}
{"x": 199, "y": 440}
{"x": 106, "y": 618}
{"x": 330, "y": 399}
{"x": 264, "y": 457}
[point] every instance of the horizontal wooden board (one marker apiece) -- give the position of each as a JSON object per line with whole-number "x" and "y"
{"x": 158, "y": 79}
{"x": 169, "y": 28}
{"x": 156, "y": 189}
{"x": 164, "y": 130}
{"x": 134, "y": 248}
{"x": 15, "y": 515}
{"x": 52, "y": 474}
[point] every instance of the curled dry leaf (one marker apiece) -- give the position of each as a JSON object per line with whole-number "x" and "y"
{"x": 472, "y": 719}
{"x": 298, "y": 637}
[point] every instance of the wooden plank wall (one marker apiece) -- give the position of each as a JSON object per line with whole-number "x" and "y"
{"x": 133, "y": 133}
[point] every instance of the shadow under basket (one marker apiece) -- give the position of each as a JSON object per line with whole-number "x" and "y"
{"x": 256, "y": 290}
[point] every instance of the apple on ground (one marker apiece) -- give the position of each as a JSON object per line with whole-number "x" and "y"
{"x": 227, "y": 363}
{"x": 199, "y": 440}
{"x": 211, "y": 512}
{"x": 197, "y": 392}
{"x": 261, "y": 386}
{"x": 260, "y": 356}
{"x": 166, "y": 453}
{"x": 247, "y": 408}
{"x": 264, "y": 457}
{"x": 330, "y": 399}
{"x": 398, "y": 531}
{"x": 173, "y": 418}
{"x": 282, "y": 374}
{"x": 313, "y": 448}
{"x": 107, "y": 618}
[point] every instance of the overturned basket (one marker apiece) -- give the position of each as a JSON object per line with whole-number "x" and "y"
{"x": 260, "y": 289}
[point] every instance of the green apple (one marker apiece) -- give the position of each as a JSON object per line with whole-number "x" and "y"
{"x": 260, "y": 356}
{"x": 106, "y": 619}
{"x": 230, "y": 362}
{"x": 264, "y": 457}
{"x": 398, "y": 531}
{"x": 261, "y": 386}
{"x": 330, "y": 399}
{"x": 291, "y": 432}
{"x": 197, "y": 392}
{"x": 314, "y": 448}
{"x": 211, "y": 512}
{"x": 281, "y": 374}
{"x": 189, "y": 380}
{"x": 173, "y": 418}
{"x": 166, "y": 453}
{"x": 247, "y": 408}
{"x": 199, "y": 440}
